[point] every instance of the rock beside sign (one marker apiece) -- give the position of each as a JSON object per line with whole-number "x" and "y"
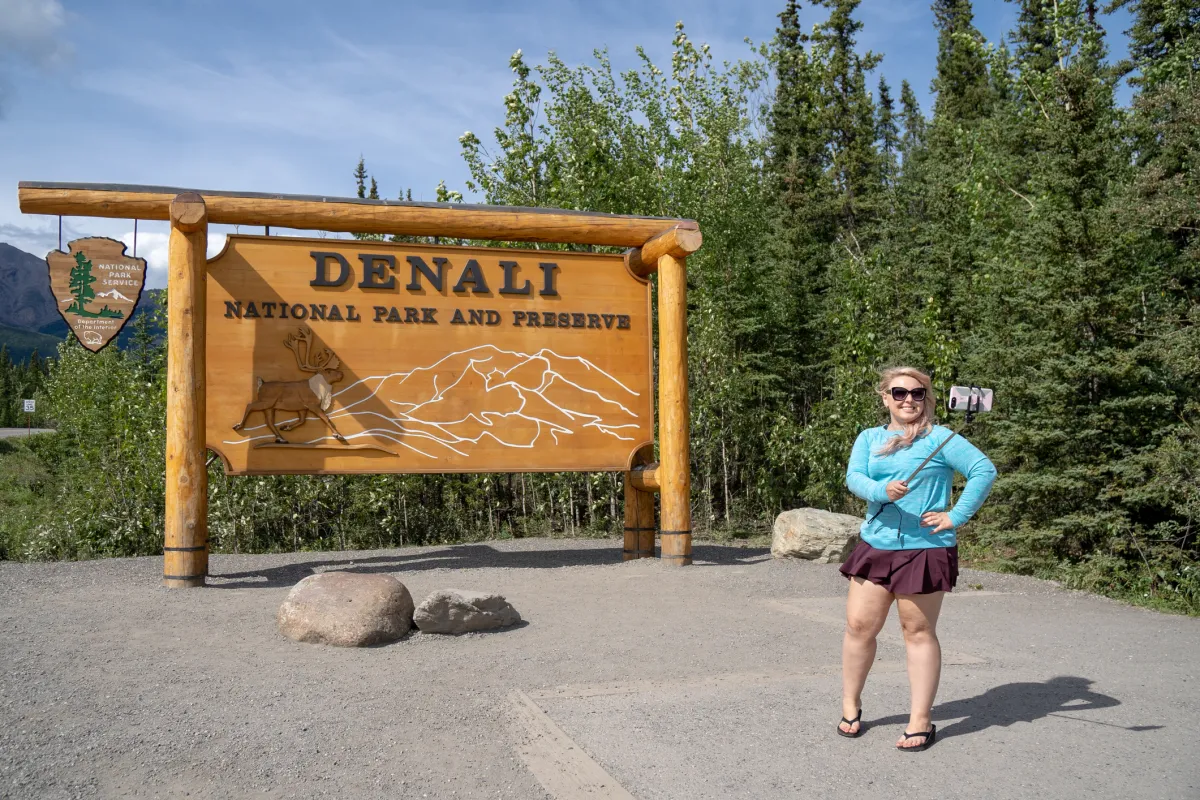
{"x": 458, "y": 611}
{"x": 815, "y": 534}
{"x": 346, "y": 609}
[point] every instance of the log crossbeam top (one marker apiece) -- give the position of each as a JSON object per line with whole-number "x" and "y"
{"x": 679, "y": 241}
{"x": 354, "y": 215}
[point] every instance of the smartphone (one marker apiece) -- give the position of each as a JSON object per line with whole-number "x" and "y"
{"x": 972, "y": 398}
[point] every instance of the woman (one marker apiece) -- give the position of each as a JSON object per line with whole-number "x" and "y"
{"x": 908, "y": 551}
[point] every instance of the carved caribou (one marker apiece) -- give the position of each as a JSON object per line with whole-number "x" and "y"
{"x": 314, "y": 395}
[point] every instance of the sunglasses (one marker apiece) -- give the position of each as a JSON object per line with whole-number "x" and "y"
{"x": 899, "y": 393}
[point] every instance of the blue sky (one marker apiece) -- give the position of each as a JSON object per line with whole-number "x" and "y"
{"x": 284, "y": 96}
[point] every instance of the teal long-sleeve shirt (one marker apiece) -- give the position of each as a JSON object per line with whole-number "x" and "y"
{"x": 897, "y": 526}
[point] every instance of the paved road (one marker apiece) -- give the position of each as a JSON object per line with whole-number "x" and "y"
{"x": 14, "y": 433}
{"x": 629, "y": 680}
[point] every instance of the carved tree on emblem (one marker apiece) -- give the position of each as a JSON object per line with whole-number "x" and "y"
{"x": 80, "y": 286}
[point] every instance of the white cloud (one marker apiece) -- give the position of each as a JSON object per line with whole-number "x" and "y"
{"x": 40, "y": 237}
{"x": 30, "y": 33}
{"x": 152, "y": 246}
{"x": 32, "y": 30}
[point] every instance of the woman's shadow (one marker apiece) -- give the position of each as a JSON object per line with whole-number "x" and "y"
{"x": 1021, "y": 702}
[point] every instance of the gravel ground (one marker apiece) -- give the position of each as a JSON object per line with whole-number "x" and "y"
{"x": 711, "y": 682}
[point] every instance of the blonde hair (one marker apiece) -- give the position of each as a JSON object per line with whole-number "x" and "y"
{"x": 923, "y": 425}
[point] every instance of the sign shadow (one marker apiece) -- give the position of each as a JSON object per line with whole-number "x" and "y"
{"x": 288, "y": 417}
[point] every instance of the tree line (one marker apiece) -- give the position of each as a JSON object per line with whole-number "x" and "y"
{"x": 1027, "y": 233}
{"x": 19, "y": 381}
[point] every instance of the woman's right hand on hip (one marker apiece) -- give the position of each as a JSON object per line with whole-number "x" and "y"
{"x": 896, "y": 490}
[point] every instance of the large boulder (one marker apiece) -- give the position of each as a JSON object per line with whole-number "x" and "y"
{"x": 816, "y": 535}
{"x": 458, "y": 611}
{"x": 346, "y": 609}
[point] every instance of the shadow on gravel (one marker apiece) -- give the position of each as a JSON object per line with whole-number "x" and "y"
{"x": 467, "y": 556}
{"x": 1021, "y": 702}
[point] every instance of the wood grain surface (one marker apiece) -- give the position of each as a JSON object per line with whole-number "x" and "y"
{"x": 674, "y": 469}
{"x": 416, "y": 378}
{"x": 185, "y": 540}
{"x": 351, "y": 215}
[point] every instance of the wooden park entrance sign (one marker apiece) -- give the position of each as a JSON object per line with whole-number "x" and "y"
{"x": 330, "y": 356}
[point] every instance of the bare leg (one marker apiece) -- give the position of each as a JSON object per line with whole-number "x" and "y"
{"x": 866, "y": 610}
{"x": 918, "y": 618}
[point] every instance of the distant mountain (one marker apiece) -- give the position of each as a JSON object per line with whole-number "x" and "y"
{"x": 21, "y": 343}
{"x": 25, "y": 298}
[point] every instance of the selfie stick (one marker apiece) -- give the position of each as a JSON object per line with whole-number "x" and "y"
{"x": 972, "y": 407}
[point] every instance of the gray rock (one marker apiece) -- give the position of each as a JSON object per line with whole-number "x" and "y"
{"x": 816, "y": 535}
{"x": 346, "y": 609}
{"x": 458, "y": 611}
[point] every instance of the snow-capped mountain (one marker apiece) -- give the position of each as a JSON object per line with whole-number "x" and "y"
{"x": 113, "y": 294}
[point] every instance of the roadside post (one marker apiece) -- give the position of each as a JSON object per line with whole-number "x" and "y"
{"x": 30, "y": 407}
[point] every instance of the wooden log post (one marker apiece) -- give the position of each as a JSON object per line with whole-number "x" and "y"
{"x": 669, "y": 251}
{"x": 639, "y": 510}
{"x": 185, "y": 549}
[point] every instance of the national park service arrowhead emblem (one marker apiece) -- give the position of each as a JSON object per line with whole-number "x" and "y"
{"x": 97, "y": 287}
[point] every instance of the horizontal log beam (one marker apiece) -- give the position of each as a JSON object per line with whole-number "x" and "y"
{"x": 679, "y": 241}
{"x": 350, "y": 215}
{"x": 645, "y": 479}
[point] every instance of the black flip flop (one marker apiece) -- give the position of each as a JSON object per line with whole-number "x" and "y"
{"x": 929, "y": 735}
{"x": 858, "y": 732}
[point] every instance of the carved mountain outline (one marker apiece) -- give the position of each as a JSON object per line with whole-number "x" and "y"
{"x": 512, "y": 398}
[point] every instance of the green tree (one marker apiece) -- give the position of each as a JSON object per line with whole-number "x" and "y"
{"x": 849, "y": 118}
{"x": 961, "y": 82}
{"x": 8, "y": 398}
{"x": 803, "y": 226}
{"x": 80, "y": 285}
{"x": 914, "y": 123}
{"x": 887, "y": 134}
{"x": 1038, "y": 44}
{"x": 360, "y": 178}
{"x": 1078, "y": 400}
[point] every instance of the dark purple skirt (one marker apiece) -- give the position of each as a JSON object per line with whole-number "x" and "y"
{"x": 921, "y": 571}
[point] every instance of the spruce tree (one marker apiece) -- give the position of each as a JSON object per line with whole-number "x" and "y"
{"x": 8, "y": 398}
{"x": 1037, "y": 44}
{"x": 1060, "y": 305}
{"x": 1161, "y": 213}
{"x": 914, "y": 122}
{"x": 802, "y": 217}
{"x": 961, "y": 83}
{"x": 887, "y": 133}
{"x": 360, "y": 178}
{"x": 848, "y": 116}
{"x": 1163, "y": 48}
